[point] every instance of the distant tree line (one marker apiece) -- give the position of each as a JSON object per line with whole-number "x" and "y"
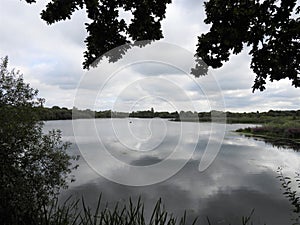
{"x": 263, "y": 117}
{"x": 62, "y": 113}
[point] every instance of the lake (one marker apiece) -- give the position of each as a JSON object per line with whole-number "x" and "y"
{"x": 155, "y": 158}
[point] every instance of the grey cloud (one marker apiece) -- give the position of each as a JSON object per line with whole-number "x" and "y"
{"x": 191, "y": 5}
{"x": 50, "y": 53}
{"x": 73, "y": 29}
{"x": 52, "y": 58}
{"x": 155, "y": 68}
{"x": 61, "y": 73}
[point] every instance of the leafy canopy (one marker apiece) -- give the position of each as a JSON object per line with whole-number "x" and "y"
{"x": 33, "y": 165}
{"x": 270, "y": 28}
{"x": 107, "y": 30}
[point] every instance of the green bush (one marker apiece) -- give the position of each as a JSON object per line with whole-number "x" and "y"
{"x": 34, "y": 166}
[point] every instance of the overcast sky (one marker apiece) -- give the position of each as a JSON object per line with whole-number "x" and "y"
{"x": 50, "y": 58}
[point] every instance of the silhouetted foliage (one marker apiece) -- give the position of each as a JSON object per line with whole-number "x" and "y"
{"x": 287, "y": 117}
{"x": 129, "y": 213}
{"x": 33, "y": 166}
{"x": 270, "y": 28}
{"x": 290, "y": 192}
{"x": 57, "y": 113}
{"x": 106, "y": 31}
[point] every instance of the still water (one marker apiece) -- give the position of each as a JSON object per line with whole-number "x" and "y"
{"x": 241, "y": 178}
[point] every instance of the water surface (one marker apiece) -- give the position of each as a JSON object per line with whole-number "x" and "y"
{"x": 241, "y": 178}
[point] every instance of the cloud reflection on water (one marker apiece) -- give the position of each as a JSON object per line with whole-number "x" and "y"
{"x": 241, "y": 178}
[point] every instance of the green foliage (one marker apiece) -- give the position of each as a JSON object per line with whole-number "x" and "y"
{"x": 271, "y": 28}
{"x": 54, "y": 113}
{"x": 270, "y": 118}
{"x": 280, "y": 126}
{"x": 57, "y": 113}
{"x": 33, "y": 166}
{"x": 287, "y": 118}
{"x": 152, "y": 114}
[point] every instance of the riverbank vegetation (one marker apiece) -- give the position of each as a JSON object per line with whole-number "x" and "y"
{"x": 63, "y": 113}
{"x": 34, "y": 166}
{"x": 133, "y": 213}
{"x": 282, "y": 131}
